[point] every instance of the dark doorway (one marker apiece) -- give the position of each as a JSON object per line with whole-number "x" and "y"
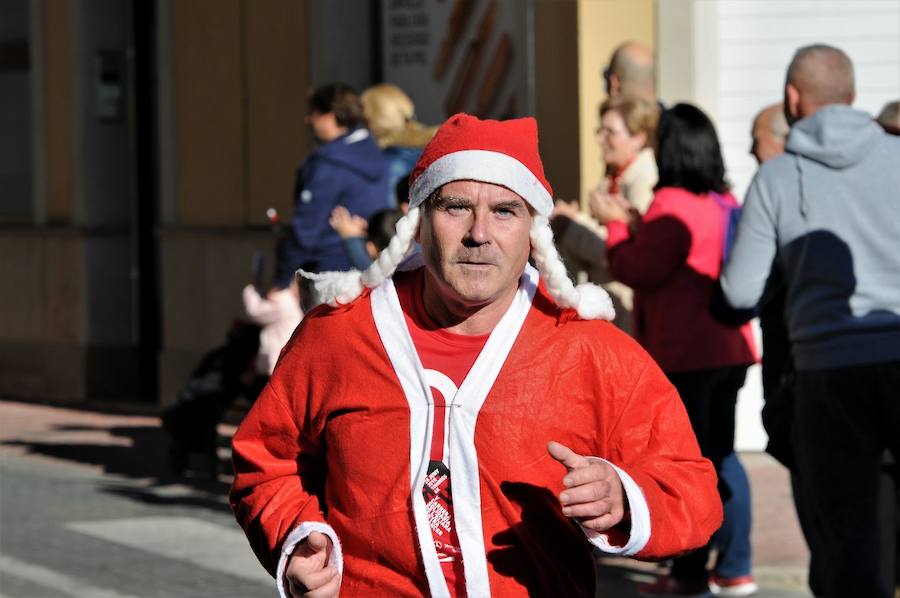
{"x": 145, "y": 194}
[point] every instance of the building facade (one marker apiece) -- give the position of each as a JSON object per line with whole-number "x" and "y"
{"x": 147, "y": 139}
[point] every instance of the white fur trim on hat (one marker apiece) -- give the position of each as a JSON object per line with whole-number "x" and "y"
{"x": 485, "y": 166}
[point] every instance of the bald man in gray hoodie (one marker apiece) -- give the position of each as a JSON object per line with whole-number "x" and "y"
{"x": 830, "y": 206}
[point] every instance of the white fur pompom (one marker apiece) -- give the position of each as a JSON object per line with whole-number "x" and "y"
{"x": 336, "y": 288}
{"x": 594, "y": 303}
{"x": 342, "y": 288}
{"x": 589, "y": 301}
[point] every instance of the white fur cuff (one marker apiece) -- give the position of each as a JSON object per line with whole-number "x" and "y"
{"x": 640, "y": 519}
{"x": 299, "y": 534}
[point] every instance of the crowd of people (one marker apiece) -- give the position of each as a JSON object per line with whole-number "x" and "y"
{"x": 464, "y": 330}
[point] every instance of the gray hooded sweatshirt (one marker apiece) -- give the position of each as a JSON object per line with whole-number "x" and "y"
{"x": 829, "y": 208}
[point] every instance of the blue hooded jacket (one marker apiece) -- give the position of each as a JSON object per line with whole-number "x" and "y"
{"x": 349, "y": 171}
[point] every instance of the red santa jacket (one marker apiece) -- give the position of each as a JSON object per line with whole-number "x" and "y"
{"x": 338, "y": 442}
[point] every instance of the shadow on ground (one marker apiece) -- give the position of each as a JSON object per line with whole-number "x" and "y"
{"x": 141, "y": 454}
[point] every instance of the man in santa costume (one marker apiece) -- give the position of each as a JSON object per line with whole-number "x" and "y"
{"x": 460, "y": 422}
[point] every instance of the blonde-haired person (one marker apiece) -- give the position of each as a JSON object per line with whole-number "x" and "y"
{"x": 626, "y": 135}
{"x": 390, "y": 114}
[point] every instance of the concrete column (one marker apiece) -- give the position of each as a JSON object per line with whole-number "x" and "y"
{"x": 573, "y": 40}
{"x": 687, "y": 61}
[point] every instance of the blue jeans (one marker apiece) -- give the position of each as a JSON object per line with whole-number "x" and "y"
{"x": 709, "y": 396}
{"x": 733, "y": 539}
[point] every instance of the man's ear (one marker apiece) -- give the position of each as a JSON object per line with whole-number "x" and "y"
{"x": 614, "y": 84}
{"x": 791, "y": 103}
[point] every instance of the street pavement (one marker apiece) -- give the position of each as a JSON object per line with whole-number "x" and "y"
{"x": 89, "y": 509}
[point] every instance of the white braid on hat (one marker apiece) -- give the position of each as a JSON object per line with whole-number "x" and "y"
{"x": 590, "y": 301}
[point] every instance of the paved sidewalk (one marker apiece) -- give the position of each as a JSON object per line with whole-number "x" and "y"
{"x": 779, "y": 552}
{"x": 134, "y": 446}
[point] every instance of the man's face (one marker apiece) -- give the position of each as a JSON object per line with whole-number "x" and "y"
{"x": 765, "y": 145}
{"x": 475, "y": 240}
{"x": 323, "y": 125}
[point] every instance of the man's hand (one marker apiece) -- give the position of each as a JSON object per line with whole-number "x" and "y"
{"x": 308, "y": 574}
{"x": 593, "y": 491}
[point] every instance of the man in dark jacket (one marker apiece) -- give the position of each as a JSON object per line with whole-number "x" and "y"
{"x": 346, "y": 169}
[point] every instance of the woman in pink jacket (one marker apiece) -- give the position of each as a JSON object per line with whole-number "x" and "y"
{"x": 671, "y": 257}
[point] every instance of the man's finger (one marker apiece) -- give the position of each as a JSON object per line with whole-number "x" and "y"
{"x": 594, "y": 472}
{"x": 329, "y": 590}
{"x": 586, "y": 493}
{"x": 588, "y": 511}
{"x": 602, "y": 523}
{"x": 313, "y": 580}
{"x": 566, "y": 456}
{"x": 317, "y": 542}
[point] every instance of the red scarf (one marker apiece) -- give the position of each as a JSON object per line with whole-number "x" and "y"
{"x": 615, "y": 178}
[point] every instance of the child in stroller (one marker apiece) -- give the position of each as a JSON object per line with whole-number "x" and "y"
{"x": 238, "y": 369}
{"x": 222, "y": 376}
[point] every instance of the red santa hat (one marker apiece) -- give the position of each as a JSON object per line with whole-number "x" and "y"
{"x": 499, "y": 152}
{"x": 491, "y": 151}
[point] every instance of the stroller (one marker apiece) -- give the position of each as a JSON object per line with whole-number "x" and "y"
{"x": 223, "y": 375}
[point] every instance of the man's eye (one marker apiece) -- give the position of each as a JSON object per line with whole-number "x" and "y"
{"x": 455, "y": 208}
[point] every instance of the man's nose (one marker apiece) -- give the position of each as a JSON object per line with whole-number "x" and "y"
{"x": 479, "y": 230}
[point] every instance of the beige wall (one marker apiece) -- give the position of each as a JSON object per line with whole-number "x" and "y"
{"x": 277, "y": 81}
{"x": 556, "y": 92}
{"x": 603, "y": 25}
{"x": 206, "y": 52}
{"x": 573, "y": 40}
{"x": 239, "y": 90}
{"x": 59, "y": 71}
{"x": 43, "y": 320}
{"x": 49, "y": 298}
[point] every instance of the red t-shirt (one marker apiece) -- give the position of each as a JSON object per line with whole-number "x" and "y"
{"x": 447, "y": 358}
